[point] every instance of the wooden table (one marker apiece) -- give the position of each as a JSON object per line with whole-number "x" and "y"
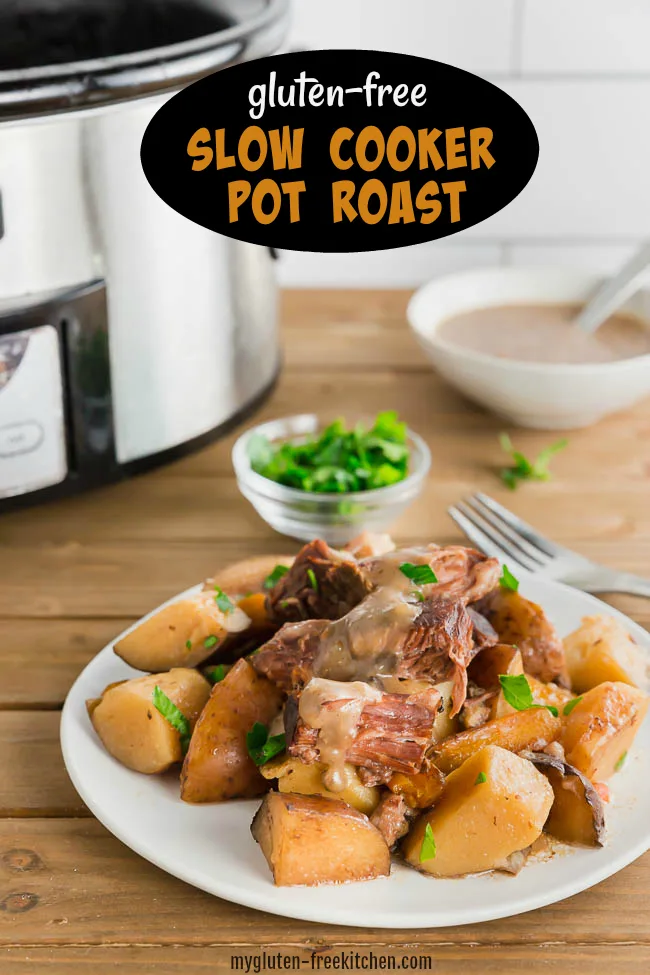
{"x": 73, "y": 574}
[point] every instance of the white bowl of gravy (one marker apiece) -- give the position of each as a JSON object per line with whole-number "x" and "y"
{"x": 504, "y": 338}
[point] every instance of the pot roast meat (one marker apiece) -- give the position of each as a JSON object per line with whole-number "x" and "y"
{"x": 463, "y": 573}
{"x": 440, "y": 647}
{"x": 392, "y": 817}
{"x": 321, "y": 584}
{"x": 392, "y": 733}
{"x": 483, "y": 633}
{"x": 287, "y": 658}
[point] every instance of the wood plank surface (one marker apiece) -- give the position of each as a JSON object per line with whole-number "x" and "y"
{"x": 75, "y": 573}
{"x": 450, "y": 960}
{"x": 68, "y": 881}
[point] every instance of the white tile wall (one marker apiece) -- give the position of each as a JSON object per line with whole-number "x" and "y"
{"x": 472, "y": 34}
{"x": 580, "y": 68}
{"x": 586, "y": 36}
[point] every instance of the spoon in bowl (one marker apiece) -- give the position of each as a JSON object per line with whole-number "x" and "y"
{"x": 613, "y": 292}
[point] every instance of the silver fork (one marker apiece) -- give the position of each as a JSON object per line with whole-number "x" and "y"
{"x": 499, "y": 533}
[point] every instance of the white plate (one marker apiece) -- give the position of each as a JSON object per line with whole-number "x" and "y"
{"x": 211, "y": 846}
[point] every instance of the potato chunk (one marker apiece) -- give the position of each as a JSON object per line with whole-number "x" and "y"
{"x": 533, "y": 728}
{"x": 495, "y": 804}
{"x": 601, "y": 728}
{"x": 248, "y": 575}
{"x": 307, "y": 780}
{"x": 183, "y": 634}
{"x": 217, "y": 765}
{"x": 131, "y": 728}
{"x": 311, "y": 840}
{"x": 602, "y": 650}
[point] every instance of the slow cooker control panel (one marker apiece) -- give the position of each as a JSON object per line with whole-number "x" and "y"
{"x": 32, "y": 418}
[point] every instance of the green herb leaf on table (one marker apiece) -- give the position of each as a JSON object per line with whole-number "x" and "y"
{"x": 480, "y": 778}
{"x": 222, "y": 601}
{"x": 519, "y": 695}
{"x": 216, "y": 674}
{"x": 428, "y": 848}
{"x": 570, "y": 705}
{"x": 524, "y": 469}
{"x": 421, "y": 575}
{"x": 507, "y": 580}
{"x": 339, "y": 460}
{"x": 621, "y": 762}
{"x": 173, "y": 715}
{"x": 275, "y": 576}
{"x": 260, "y": 747}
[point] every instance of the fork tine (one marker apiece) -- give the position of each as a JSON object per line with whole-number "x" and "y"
{"x": 476, "y": 536}
{"x": 498, "y": 538}
{"x": 539, "y": 557}
{"x": 521, "y": 527}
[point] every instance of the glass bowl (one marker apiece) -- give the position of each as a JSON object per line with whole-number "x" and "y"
{"x": 334, "y": 517}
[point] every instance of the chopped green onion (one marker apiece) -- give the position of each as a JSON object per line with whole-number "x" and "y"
{"x": 313, "y": 581}
{"x": 338, "y": 460}
{"x": 173, "y": 715}
{"x": 210, "y": 641}
{"x": 518, "y": 694}
{"x": 216, "y": 674}
{"x": 570, "y": 705}
{"x": 222, "y": 601}
{"x": 421, "y": 575}
{"x": 480, "y": 778}
{"x": 275, "y": 576}
{"x": 524, "y": 469}
{"x": 507, "y": 580}
{"x": 260, "y": 747}
{"x": 428, "y": 848}
{"x": 621, "y": 762}
{"x": 188, "y": 644}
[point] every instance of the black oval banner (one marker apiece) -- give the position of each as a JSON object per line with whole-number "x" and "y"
{"x": 339, "y": 150}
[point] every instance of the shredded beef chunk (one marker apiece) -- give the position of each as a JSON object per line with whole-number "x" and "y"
{"x": 483, "y": 633}
{"x": 392, "y": 733}
{"x": 321, "y": 584}
{"x": 287, "y": 658}
{"x": 439, "y": 647}
{"x": 392, "y": 817}
{"x": 463, "y": 573}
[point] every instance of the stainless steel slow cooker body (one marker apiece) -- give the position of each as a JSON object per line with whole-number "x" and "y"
{"x": 128, "y": 335}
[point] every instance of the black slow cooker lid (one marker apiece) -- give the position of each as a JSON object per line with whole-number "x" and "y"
{"x": 62, "y": 55}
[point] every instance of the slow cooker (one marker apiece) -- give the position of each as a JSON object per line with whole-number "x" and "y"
{"x": 128, "y": 335}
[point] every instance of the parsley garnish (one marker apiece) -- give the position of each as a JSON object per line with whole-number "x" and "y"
{"x": 222, "y": 601}
{"x": 428, "y": 848}
{"x": 216, "y": 674}
{"x": 210, "y": 641}
{"x": 338, "y": 460}
{"x": 480, "y": 778}
{"x": 173, "y": 715}
{"x": 570, "y": 705}
{"x": 188, "y": 644}
{"x": 421, "y": 575}
{"x": 313, "y": 581}
{"x": 518, "y": 694}
{"x": 260, "y": 747}
{"x": 524, "y": 469}
{"x": 507, "y": 580}
{"x": 275, "y": 576}
{"x": 621, "y": 762}
{"x": 418, "y": 594}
